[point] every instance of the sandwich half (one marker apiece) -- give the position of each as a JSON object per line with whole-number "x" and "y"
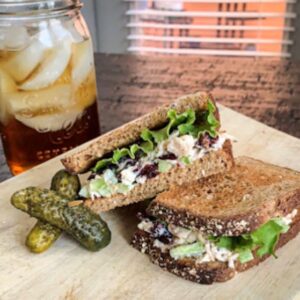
{"x": 209, "y": 230}
{"x": 174, "y": 144}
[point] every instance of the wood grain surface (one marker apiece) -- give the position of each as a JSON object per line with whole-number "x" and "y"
{"x": 67, "y": 271}
{"x": 267, "y": 90}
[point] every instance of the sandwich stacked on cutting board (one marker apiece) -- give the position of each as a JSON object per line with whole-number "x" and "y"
{"x": 209, "y": 218}
{"x": 208, "y": 230}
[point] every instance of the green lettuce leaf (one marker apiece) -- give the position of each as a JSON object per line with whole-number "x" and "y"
{"x": 226, "y": 242}
{"x": 103, "y": 163}
{"x": 145, "y": 147}
{"x": 266, "y": 237}
{"x": 209, "y": 125}
{"x": 175, "y": 120}
{"x": 263, "y": 240}
{"x": 186, "y": 124}
{"x": 281, "y": 223}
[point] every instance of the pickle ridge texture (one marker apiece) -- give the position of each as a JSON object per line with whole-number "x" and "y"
{"x": 43, "y": 235}
{"x": 79, "y": 221}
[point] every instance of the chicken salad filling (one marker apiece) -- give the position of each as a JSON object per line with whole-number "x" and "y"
{"x": 186, "y": 243}
{"x": 187, "y": 137}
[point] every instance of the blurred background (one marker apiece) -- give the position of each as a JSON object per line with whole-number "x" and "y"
{"x": 236, "y": 28}
{"x": 245, "y": 52}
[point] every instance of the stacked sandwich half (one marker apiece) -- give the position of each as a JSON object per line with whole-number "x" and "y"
{"x": 210, "y": 229}
{"x": 210, "y": 217}
{"x": 174, "y": 144}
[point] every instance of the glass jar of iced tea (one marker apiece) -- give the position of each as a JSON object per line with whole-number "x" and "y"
{"x": 47, "y": 81}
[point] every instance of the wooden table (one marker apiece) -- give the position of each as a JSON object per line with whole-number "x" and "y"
{"x": 267, "y": 90}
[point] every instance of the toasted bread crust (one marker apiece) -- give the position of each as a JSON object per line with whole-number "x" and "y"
{"x": 232, "y": 203}
{"x": 130, "y": 132}
{"x": 204, "y": 273}
{"x": 212, "y": 163}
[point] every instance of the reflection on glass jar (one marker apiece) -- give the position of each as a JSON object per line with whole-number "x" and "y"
{"x": 47, "y": 82}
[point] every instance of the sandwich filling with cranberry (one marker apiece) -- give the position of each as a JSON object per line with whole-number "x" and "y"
{"x": 185, "y": 138}
{"x": 183, "y": 243}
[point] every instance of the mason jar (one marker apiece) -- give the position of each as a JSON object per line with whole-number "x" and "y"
{"x": 47, "y": 81}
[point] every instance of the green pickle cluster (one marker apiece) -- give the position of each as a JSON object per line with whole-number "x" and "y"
{"x": 54, "y": 215}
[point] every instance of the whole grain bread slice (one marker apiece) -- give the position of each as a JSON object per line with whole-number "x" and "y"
{"x": 204, "y": 273}
{"x": 231, "y": 203}
{"x": 212, "y": 163}
{"x": 130, "y": 132}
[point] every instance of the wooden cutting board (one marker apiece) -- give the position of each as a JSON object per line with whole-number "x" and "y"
{"x": 67, "y": 271}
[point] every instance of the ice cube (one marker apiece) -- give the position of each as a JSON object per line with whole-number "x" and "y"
{"x": 51, "y": 68}
{"x": 82, "y": 61}
{"x": 52, "y": 122}
{"x": 58, "y": 97}
{"x": 7, "y": 85}
{"x": 44, "y": 35}
{"x": 24, "y": 62}
{"x": 58, "y": 31}
{"x": 52, "y": 32}
{"x": 76, "y": 35}
{"x": 16, "y": 38}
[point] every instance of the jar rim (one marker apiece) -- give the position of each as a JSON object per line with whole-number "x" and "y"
{"x": 26, "y": 9}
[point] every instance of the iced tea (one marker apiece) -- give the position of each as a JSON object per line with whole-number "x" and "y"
{"x": 47, "y": 93}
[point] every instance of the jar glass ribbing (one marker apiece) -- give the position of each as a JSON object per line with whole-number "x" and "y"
{"x": 47, "y": 81}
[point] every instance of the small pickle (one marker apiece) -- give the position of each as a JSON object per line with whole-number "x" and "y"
{"x": 43, "y": 235}
{"x": 79, "y": 221}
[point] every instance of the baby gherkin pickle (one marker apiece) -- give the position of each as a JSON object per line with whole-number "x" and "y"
{"x": 43, "y": 235}
{"x": 79, "y": 221}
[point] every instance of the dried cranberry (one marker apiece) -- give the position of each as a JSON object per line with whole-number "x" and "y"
{"x": 206, "y": 141}
{"x": 214, "y": 140}
{"x": 160, "y": 231}
{"x": 150, "y": 170}
{"x": 92, "y": 176}
{"x": 166, "y": 239}
{"x": 169, "y": 155}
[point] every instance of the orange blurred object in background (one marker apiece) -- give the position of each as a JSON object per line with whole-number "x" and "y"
{"x": 275, "y": 22}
